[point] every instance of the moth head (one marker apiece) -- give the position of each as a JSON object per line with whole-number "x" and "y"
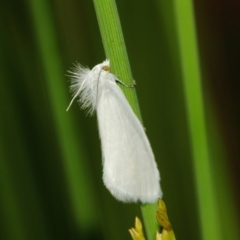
{"x": 106, "y": 65}
{"x": 106, "y": 68}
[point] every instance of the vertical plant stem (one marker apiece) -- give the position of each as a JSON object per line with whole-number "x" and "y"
{"x": 115, "y": 50}
{"x": 114, "y": 46}
{"x": 195, "y": 110}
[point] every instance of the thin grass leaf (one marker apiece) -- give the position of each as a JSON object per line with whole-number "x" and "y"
{"x": 209, "y": 217}
{"x": 79, "y": 181}
{"x": 115, "y": 50}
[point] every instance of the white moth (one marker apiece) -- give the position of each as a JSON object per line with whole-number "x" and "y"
{"x": 129, "y": 169}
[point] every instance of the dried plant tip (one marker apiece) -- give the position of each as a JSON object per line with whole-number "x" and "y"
{"x": 137, "y": 233}
{"x": 162, "y": 217}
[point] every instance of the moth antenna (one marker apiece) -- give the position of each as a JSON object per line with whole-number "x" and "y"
{"x": 75, "y": 96}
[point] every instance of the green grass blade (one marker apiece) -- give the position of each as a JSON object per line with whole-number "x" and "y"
{"x": 79, "y": 181}
{"x": 115, "y": 50}
{"x": 195, "y": 110}
{"x": 114, "y": 46}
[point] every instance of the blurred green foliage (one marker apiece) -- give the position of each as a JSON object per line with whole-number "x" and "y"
{"x": 50, "y": 159}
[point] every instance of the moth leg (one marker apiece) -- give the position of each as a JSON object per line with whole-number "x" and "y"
{"x": 128, "y": 86}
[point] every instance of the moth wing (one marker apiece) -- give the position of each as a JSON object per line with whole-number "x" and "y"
{"x": 129, "y": 168}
